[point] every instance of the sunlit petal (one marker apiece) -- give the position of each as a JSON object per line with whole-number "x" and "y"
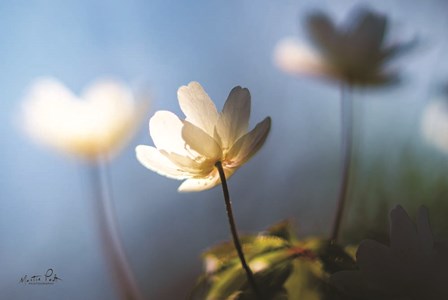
{"x": 198, "y": 107}
{"x": 435, "y": 124}
{"x": 165, "y": 129}
{"x": 189, "y": 165}
{"x": 234, "y": 119}
{"x": 250, "y": 143}
{"x": 151, "y": 158}
{"x": 200, "y": 141}
{"x": 293, "y": 57}
{"x": 200, "y": 184}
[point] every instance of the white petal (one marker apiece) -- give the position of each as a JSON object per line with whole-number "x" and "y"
{"x": 198, "y": 107}
{"x": 197, "y": 185}
{"x": 234, "y": 119}
{"x": 435, "y": 124}
{"x": 292, "y": 57}
{"x": 200, "y": 141}
{"x": 165, "y": 129}
{"x": 49, "y": 90}
{"x": 110, "y": 93}
{"x": 189, "y": 165}
{"x": 249, "y": 144}
{"x": 152, "y": 159}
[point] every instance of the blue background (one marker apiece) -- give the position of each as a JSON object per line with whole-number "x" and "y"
{"x": 46, "y": 217}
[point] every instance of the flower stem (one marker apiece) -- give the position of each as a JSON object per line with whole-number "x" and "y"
{"x": 236, "y": 240}
{"x": 346, "y": 157}
{"x": 110, "y": 239}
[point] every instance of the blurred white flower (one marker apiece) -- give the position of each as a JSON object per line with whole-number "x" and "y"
{"x": 435, "y": 124}
{"x": 99, "y": 122}
{"x": 354, "y": 53}
{"x": 415, "y": 266}
{"x": 189, "y": 149}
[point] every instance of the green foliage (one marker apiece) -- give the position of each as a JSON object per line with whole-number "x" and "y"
{"x": 417, "y": 177}
{"x": 284, "y": 267}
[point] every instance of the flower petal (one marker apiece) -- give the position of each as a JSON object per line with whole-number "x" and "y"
{"x": 200, "y": 141}
{"x": 234, "y": 119}
{"x": 403, "y": 233}
{"x": 424, "y": 230}
{"x": 152, "y": 159}
{"x": 323, "y": 33}
{"x": 200, "y": 184}
{"x": 249, "y": 144}
{"x": 110, "y": 93}
{"x": 165, "y": 129}
{"x": 293, "y": 57}
{"x": 188, "y": 164}
{"x": 198, "y": 107}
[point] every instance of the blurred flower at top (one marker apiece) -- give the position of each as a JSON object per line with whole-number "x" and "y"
{"x": 98, "y": 123}
{"x": 414, "y": 266}
{"x": 434, "y": 124}
{"x": 189, "y": 149}
{"x": 356, "y": 53}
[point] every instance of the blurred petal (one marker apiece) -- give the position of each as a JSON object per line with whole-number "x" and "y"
{"x": 368, "y": 31}
{"x": 234, "y": 119}
{"x": 166, "y": 132}
{"x": 200, "y": 141}
{"x": 108, "y": 91}
{"x": 198, "y": 107}
{"x": 424, "y": 230}
{"x": 374, "y": 259}
{"x": 152, "y": 159}
{"x": 292, "y": 57}
{"x": 435, "y": 124}
{"x": 200, "y": 184}
{"x": 250, "y": 143}
{"x": 323, "y": 33}
{"x": 403, "y": 234}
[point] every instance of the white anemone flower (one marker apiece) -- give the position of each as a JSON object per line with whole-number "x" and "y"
{"x": 189, "y": 149}
{"x": 355, "y": 52}
{"x": 434, "y": 124}
{"x": 99, "y": 122}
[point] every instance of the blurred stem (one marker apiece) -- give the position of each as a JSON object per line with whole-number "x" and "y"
{"x": 236, "y": 240}
{"x": 346, "y": 156}
{"x": 110, "y": 240}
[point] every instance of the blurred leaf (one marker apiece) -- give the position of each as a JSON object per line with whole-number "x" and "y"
{"x": 283, "y": 230}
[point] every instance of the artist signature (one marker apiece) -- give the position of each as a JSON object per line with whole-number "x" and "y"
{"x": 49, "y": 277}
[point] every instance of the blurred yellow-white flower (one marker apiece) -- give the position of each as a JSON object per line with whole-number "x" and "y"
{"x": 356, "y": 53}
{"x": 189, "y": 149}
{"x": 99, "y": 122}
{"x": 435, "y": 124}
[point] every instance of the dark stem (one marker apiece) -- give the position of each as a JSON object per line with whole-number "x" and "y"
{"x": 346, "y": 157}
{"x": 236, "y": 240}
{"x": 110, "y": 240}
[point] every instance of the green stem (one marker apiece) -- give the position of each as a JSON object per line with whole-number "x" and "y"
{"x": 236, "y": 240}
{"x": 112, "y": 246}
{"x": 346, "y": 153}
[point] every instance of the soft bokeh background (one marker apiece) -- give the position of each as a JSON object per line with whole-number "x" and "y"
{"x": 46, "y": 217}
